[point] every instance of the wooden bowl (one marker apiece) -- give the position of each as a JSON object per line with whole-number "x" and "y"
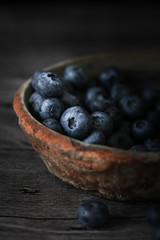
{"x": 104, "y": 171}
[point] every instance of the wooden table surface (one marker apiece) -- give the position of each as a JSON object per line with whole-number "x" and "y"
{"x": 33, "y": 203}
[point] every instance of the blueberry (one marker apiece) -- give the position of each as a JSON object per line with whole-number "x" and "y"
{"x": 76, "y": 122}
{"x": 138, "y": 148}
{"x": 150, "y": 95}
{"x": 125, "y": 127}
{"x": 156, "y": 234}
{"x": 96, "y": 137}
{"x": 53, "y": 124}
{"x": 116, "y": 115}
{"x": 157, "y": 106}
{"x": 96, "y": 99}
{"x": 47, "y": 84}
{"x": 51, "y": 108}
{"x": 110, "y": 76}
{"x": 120, "y": 140}
{"x": 36, "y": 101}
{"x": 152, "y": 145}
{"x": 153, "y": 117}
{"x": 142, "y": 129}
{"x": 132, "y": 107}
{"x": 93, "y": 214}
{"x": 34, "y": 78}
{"x": 76, "y": 76}
{"x": 118, "y": 90}
{"x": 69, "y": 100}
{"x": 153, "y": 216}
{"x": 102, "y": 122}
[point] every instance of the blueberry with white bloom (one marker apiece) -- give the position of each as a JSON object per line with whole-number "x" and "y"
{"x": 51, "y": 108}
{"x": 96, "y": 137}
{"x": 76, "y": 122}
{"x": 76, "y": 76}
{"x": 47, "y": 84}
{"x": 102, "y": 122}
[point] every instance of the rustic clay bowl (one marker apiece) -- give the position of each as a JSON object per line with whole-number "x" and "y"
{"x": 107, "y": 172}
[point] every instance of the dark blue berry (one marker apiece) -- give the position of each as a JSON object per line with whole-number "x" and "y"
{"x": 96, "y": 99}
{"x": 76, "y": 76}
{"x": 132, "y": 107}
{"x": 96, "y": 137}
{"x": 125, "y": 127}
{"x": 47, "y": 84}
{"x": 76, "y": 122}
{"x": 156, "y": 234}
{"x": 110, "y": 76}
{"x": 116, "y": 115}
{"x": 36, "y": 101}
{"x": 157, "y": 106}
{"x": 102, "y": 122}
{"x": 153, "y": 216}
{"x": 118, "y": 90}
{"x": 142, "y": 129}
{"x": 152, "y": 145}
{"x": 53, "y": 124}
{"x": 93, "y": 214}
{"x": 153, "y": 117}
{"x": 150, "y": 95}
{"x": 34, "y": 78}
{"x": 138, "y": 148}
{"x": 51, "y": 108}
{"x": 120, "y": 140}
{"x": 69, "y": 100}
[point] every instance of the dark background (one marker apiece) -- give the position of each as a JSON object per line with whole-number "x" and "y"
{"x": 33, "y": 203}
{"x": 33, "y": 36}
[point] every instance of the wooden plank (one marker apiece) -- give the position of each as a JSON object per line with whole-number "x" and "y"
{"x": 19, "y": 228}
{"x": 35, "y": 204}
{"x": 29, "y": 190}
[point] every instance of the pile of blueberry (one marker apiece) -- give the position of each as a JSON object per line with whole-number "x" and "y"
{"x": 105, "y": 111}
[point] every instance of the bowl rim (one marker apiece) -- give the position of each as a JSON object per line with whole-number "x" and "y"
{"x": 22, "y": 111}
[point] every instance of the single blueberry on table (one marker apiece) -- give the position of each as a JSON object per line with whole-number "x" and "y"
{"x": 110, "y": 76}
{"x": 96, "y": 99}
{"x": 76, "y": 122}
{"x": 93, "y": 214}
{"x": 96, "y": 137}
{"x": 51, "y": 108}
{"x": 152, "y": 145}
{"x": 118, "y": 90}
{"x": 120, "y": 140}
{"x": 142, "y": 129}
{"x": 36, "y": 101}
{"x": 153, "y": 216}
{"x": 156, "y": 234}
{"x": 102, "y": 122}
{"x": 132, "y": 107}
{"x": 138, "y": 148}
{"x": 116, "y": 115}
{"x": 76, "y": 76}
{"x": 47, "y": 84}
{"x": 53, "y": 124}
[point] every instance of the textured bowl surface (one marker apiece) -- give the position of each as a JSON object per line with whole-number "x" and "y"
{"x": 101, "y": 170}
